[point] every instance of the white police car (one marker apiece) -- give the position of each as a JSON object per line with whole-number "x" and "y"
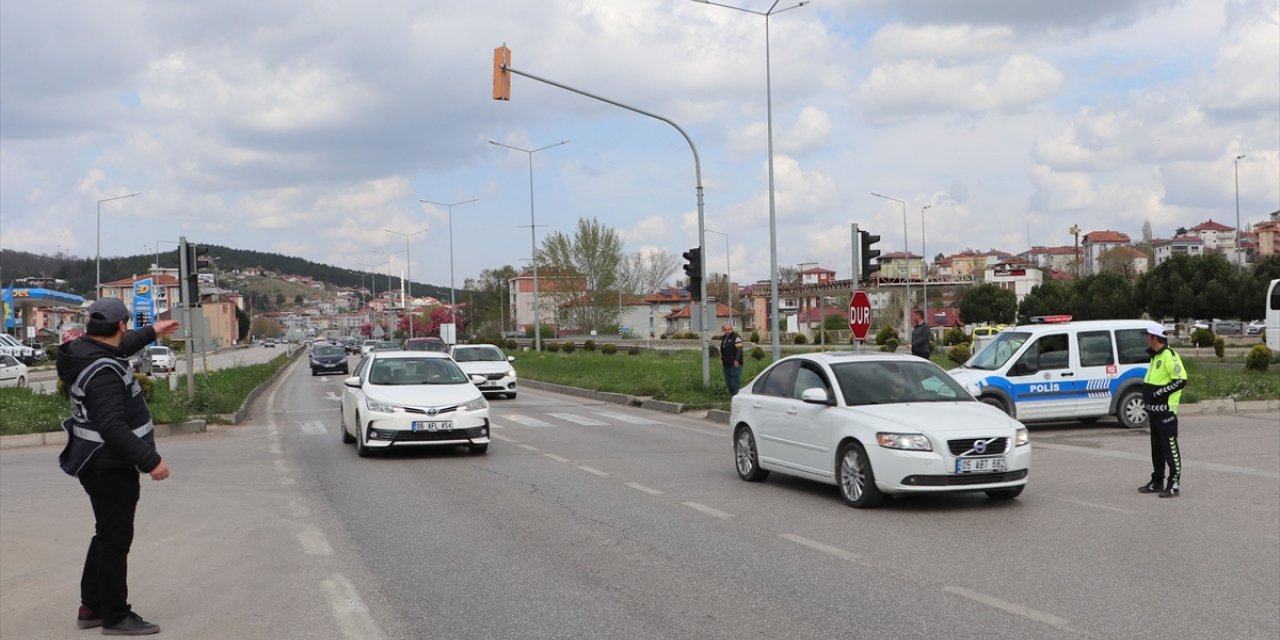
{"x": 1063, "y": 370}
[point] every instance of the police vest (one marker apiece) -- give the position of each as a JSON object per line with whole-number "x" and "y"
{"x": 1166, "y": 367}
{"x": 83, "y": 437}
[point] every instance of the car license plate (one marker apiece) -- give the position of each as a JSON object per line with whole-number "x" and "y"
{"x": 969, "y": 465}
{"x": 444, "y": 425}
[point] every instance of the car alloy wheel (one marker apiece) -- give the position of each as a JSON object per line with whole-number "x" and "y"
{"x": 1132, "y": 410}
{"x": 746, "y": 459}
{"x": 856, "y": 479}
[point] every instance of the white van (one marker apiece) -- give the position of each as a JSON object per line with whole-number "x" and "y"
{"x": 1065, "y": 370}
{"x": 1272, "y": 329}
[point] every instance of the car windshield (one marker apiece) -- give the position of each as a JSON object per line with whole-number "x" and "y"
{"x": 478, "y": 354}
{"x": 426, "y": 345}
{"x": 158, "y": 351}
{"x": 387, "y": 345}
{"x": 327, "y": 350}
{"x": 894, "y": 381}
{"x": 998, "y": 352}
{"x": 403, "y": 371}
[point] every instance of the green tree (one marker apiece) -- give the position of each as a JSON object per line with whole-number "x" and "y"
{"x": 1052, "y": 297}
{"x": 1251, "y": 288}
{"x": 297, "y": 300}
{"x": 1189, "y": 287}
{"x": 590, "y": 260}
{"x": 487, "y": 298}
{"x": 242, "y": 323}
{"x": 1105, "y": 296}
{"x": 988, "y": 303}
{"x": 279, "y": 299}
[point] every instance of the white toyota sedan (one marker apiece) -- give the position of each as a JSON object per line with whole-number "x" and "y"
{"x": 413, "y": 398}
{"x": 875, "y": 424}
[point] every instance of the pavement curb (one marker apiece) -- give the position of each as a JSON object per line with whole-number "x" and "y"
{"x": 717, "y": 415}
{"x": 603, "y": 396}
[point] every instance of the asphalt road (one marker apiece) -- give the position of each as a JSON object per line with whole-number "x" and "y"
{"x": 600, "y": 521}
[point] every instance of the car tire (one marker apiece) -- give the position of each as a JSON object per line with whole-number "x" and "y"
{"x": 745, "y": 456}
{"x": 22, "y": 382}
{"x": 478, "y": 449}
{"x": 511, "y": 396}
{"x": 997, "y": 403}
{"x": 856, "y": 479}
{"x": 342, "y": 426}
{"x": 361, "y": 450}
{"x": 1005, "y": 494}
{"x": 1131, "y": 410}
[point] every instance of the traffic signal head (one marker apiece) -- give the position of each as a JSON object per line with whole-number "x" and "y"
{"x": 868, "y": 254}
{"x": 501, "y": 77}
{"x": 693, "y": 271}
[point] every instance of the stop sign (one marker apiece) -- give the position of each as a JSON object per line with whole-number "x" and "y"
{"x": 860, "y": 315}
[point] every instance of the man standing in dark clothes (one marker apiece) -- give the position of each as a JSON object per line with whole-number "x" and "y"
{"x": 110, "y": 441}
{"x": 731, "y": 358}
{"x": 920, "y": 335}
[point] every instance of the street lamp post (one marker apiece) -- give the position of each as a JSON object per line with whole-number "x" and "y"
{"x": 453, "y": 308}
{"x": 924, "y": 265}
{"x": 1239, "y": 254}
{"x": 533, "y": 239}
{"x": 387, "y": 315}
{"x": 1075, "y": 231}
{"x": 773, "y": 218}
{"x": 906, "y": 308}
{"x": 408, "y": 268}
{"x": 728, "y": 274}
{"x": 97, "y": 285}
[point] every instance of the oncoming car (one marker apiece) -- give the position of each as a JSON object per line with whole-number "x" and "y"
{"x": 328, "y": 358}
{"x": 162, "y": 358}
{"x": 875, "y": 424}
{"x": 413, "y": 398}
{"x": 488, "y": 361}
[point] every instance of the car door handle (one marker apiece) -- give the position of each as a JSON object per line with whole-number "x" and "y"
{"x": 756, "y": 405}
{"x": 791, "y": 411}
{"x": 1068, "y": 374}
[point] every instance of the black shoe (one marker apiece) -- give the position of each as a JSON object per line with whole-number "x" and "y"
{"x": 87, "y": 618}
{"x": 132, "y": 625}
{"x": 1150, "y": 487}
{"x": 1171, "y": 492}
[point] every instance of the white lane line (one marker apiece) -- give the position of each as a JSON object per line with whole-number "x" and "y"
{"x": 288, "y": 481}
{"x": 824, "y": 548}
{"x": 312, "y": 428}
{"x": 528, "y": 421}
{"x": 707, "y": 510}
{"x": 502, "y": 438}
{"x": 639, "y": 487}
{"x": 1009, "y": 607}
{"x": 1189, "y": 464}
{"x": 595, "y": 472}
{"x": 577, "y": 419}
{"x": 329, "y": 395}
{"x": 626, "y": 417}
{"x": 353, "y": 616}
{"x": 555, "y": 457}
{"x": 528, "y": 447}
{"x": 281, "y": 465}
{"x": 1094, "y": 505}
{"x": 314, "y": 543}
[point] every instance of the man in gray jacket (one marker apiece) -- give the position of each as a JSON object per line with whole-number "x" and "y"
{"x": 920, "y": 335}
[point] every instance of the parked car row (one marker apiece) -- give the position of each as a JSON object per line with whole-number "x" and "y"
{"x": 26, "y": 354}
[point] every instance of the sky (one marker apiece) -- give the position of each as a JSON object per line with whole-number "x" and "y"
{"x": 310, "y": 128}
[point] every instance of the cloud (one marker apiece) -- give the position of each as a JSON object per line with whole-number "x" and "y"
{"x": 896, "y": 91}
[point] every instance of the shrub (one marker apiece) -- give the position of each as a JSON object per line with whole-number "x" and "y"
{"x": 959, "y": 354}
{"x": 755, "y": 336}
{"x": 1202, "y": 338}
{"x": 757, "y": 354}
{"x": 886, "y": 333}
{"x": 609, "y": 349}
{"x": 801, "y": 339}
{"x": 1219, "y": 346}
{"x": 553, "y": 347}
{"x": 713, "y": 351}
{"x": 568, "y": 346}
{"x": 954, "y": 336}
{"x": 589, "y": 345}
{"x": 512, "y": 345}
{"x": 146, "y": 383}
{"x": 52, "y": 352}
{"x": 891, "y": 345}
{"x": 633, "y": 350}
{"x": 1259, "y": 358}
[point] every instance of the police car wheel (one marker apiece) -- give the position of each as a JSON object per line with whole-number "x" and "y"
{"x": 995, "y": 402}
{"x": 1131, "y": 411}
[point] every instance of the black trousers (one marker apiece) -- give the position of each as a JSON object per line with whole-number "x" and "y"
{"x": 1164, "y": 449}
{"x": 104, "y": 585}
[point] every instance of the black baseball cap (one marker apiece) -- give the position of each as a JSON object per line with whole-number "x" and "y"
{"x": 107, "y": 312}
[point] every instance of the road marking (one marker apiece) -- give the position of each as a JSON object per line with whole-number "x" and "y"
{"x": 1094, "y": 505}
{"x": 593, "y": 471}
{"x": 529, "y": 447}
{"x": 1009, "y": 607}
{"x": 288, "y": 481}
{"x": 329, "y": 395}
{"x": 577, "y": 419}
{"x": 528, "y": 421}
{"x": 281, "y": 465}
{"x": 502, "y": 438}
{"x": 314, "y": 543}
{"x": 626, "y": 417}
{"x": 639, "y": 487}
{"x": 353, "y": 616}
{"x": 312, "y": 428}
{"x": 707, "y": 510}
{"x": 1188, "y": 464}
{"x": 824, "y": 548}
{"x": 555, "y": 457}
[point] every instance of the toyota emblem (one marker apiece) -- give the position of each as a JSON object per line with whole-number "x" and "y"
{"x": 431, "y": 411}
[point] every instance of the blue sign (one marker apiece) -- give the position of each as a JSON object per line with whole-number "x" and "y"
{"x": 143, "y": 303}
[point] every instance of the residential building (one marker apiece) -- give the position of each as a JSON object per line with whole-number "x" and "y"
{"x": 1164, "y": 249}
{"x": 1268, "y": 234}
{"x": 1014, "y": 276}
{"x": 1063, "y": 258}
{"x": 550, "y": 285}
{"x": 679, "y": 321}
{"x": 1095, "y": 244}
{"x": 660, "y": 303}
{"x": 900, "y": 265}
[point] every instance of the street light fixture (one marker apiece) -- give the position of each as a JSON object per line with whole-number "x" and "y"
{"x": 728, "y": 274}
{"x": 453, "y": 309}
{"x": 1239, "y": 255}
{"x": 773, "y": 218}
{"x": 924, "y": 265}
{"x": 533, "y": 239}
{"x": 408, "y": 262}
{"x": 97, "y": 286}
{"x": 906, "y": 308}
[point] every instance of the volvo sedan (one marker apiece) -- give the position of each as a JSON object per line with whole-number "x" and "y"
{"x": 875, "y": 424}
{"x": 413, "y": 398}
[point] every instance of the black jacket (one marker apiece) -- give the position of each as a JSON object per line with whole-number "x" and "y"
{"x": 105, "y": 398}
{"x": 731, "y": 349}
{"x": 920, "y": 341}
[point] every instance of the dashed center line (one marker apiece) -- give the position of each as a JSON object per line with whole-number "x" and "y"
{"x": 824, "y": 548}
{"x": 1009, "y": 607}
{"x": 708, "y": 510}
{"x": 555, "y": 457}
{"x": 314, "y": 543}
{"x": 594, "y": 471}
{"x": 1094, "y": 505}
{"x": 639, "y": 487}
{"x": 353, "y": 615}
{"x": 528, "y": 447}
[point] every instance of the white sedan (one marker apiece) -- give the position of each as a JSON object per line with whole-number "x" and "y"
{"x": 12, "y": 372}
{"x": 413, "y": 398}
{"x": 488, "y": 361}
{"x": 875, "y": 424}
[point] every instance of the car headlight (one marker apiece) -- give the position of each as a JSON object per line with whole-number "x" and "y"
{"x": 380, "y": 407}
{"x": 913, "y": 441}
{"x": 511, "y": 372}
{"x": 1022, "y": 437}
{"x": 476, "y": 405}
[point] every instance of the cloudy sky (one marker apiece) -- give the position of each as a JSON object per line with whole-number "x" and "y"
{"x": 308, "y": 128}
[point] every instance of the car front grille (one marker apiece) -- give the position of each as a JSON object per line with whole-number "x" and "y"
{"x": 964, "y": 447}
{"x": 431, "y": 436}
{"x": 960, "y": 480}
{"x": 439, "y": 410}
{"x": 495, "y": 376}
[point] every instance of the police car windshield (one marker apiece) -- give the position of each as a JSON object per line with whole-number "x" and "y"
{"x": 998, "y": 352}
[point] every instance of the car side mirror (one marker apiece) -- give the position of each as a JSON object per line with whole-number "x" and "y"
{"x": 477, "y": 378}
{"x": 353, "y": 382}
{"x": 815, "y": 395}
{"x": 511, "y": 358}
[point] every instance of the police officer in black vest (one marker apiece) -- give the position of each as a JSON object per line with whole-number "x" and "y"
{"x": 110, "y": 440}
{"x": 731, "y": 358}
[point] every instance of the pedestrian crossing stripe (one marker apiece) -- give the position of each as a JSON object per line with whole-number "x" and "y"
{"x": 528, "y": 421}
{"x": 627, "y": 418}
{"x": 577, "y": 419}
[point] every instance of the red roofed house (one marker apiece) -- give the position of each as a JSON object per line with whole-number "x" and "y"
{"x": 1095, "y": 244}
{"x": 679, "y": 321}
{"x": 1268, "y": 237}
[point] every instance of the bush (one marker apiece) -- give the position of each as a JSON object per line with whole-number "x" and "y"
{"x": 633, "y": 350}
{"x": 801, "y": 339}
{"x": 959, "y": 354}
{"x": 886, "y": 333}
{"x": 609, "y": 349}
{"x": 1259, "y": 358}
{"x": 589, "y": 345}
{"x": 553, "y": 347}
{"x": 512, "y": 345}
{"x": 755, "y": 336}
{"x": 568, "y": 346}
{"x": 757, "y": 354}
{"x": 713, "y": 351}
{"x": 1219, "y": 346}
{"x": 146, "y": 383}
{"x": 954, "y": 336}
{"x": 1202, "y": 338}
{"x": 891, "y": 345}
{"x": 52, "y": 352}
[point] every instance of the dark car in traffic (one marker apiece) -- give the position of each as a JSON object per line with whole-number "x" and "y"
{"x": 328, "y": 358}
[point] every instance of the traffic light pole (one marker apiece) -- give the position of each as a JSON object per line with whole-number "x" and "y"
{"x": 185, "y": 259}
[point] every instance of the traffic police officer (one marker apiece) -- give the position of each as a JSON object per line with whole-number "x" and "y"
{"x": 1165, "y": 380}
